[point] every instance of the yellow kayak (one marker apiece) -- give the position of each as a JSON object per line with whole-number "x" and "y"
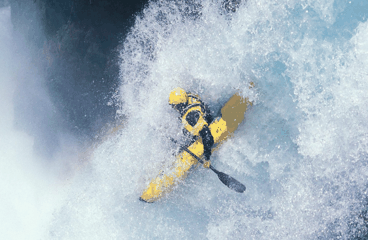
{"x": 232, "y": 114}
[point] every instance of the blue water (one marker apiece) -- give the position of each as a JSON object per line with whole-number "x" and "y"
{"x": 301, "y": 151}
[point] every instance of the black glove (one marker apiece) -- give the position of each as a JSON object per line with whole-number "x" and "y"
{"x": 207, "y": 155}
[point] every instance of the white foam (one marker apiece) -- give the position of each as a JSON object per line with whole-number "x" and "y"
{"x": 29, "y": 191}
{"x": 301, "y": 151}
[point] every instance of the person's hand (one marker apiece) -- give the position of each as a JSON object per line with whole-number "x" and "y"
{"x": 207, "y": 156}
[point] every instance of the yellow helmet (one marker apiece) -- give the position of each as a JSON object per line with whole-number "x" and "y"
{"x": 177, "y": 96}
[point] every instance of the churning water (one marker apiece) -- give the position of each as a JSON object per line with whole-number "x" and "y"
{"x": 301, "y": 151}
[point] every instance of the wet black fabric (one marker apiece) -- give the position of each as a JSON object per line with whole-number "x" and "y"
{"x": 207, "y": 115}
{"x": 180, "y": 107}
{"x": 192, "y": 117}
{"x": 184, "y": 110}
{"x": 208, "y": 141}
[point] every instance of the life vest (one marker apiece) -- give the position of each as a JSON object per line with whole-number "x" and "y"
{"x": 193, "y": 115}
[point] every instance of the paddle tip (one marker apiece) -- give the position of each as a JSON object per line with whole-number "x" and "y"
{"x": 239, "y": 189}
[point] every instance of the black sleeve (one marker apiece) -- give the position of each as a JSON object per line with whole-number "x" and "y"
{"x": 207, "y": 113}
{"x": 192, "y": 117}
{"x": 208, "y": 141}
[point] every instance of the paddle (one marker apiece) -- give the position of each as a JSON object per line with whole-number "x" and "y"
{"x": 231, "y": 182}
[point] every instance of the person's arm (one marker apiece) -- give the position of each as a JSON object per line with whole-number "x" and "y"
{"x": 208, "y": 142}
{"x": 207, "y": 114}
{"x": 205, "y": 133}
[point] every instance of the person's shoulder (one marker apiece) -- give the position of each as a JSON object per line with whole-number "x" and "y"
{"x": 193, "y": 95}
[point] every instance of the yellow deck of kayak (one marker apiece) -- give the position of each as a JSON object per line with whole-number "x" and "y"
{"x": 221, "y": 128}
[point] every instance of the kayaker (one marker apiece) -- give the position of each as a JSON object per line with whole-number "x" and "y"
{"x": 194, "y": 116}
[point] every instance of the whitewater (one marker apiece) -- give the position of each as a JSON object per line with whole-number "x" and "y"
{"x": 301, "y": 150}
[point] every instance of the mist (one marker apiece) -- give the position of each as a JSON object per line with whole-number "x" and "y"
{"x": 59, "y": 72}
{"x": 36, "y": 150}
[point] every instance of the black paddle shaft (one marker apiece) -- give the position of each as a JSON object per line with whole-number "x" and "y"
{"x": 231, "y": 182}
